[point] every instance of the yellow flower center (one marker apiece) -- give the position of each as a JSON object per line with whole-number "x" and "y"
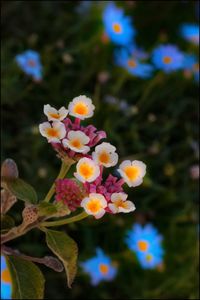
{"x": 55, "y": 116}
{"x": 76, "y": 144}
{"x": 120, "y": 203}
{"x": 94, "y": 205}
{"x": 132, "y": 63}
{"x": 86, "y": 170}
{"x": 167, "y": 59}
{"x": 132, "y": 172}
{"x": 5, "y": 276}
{"x": 104, "y": 157}
{"x": 149, "y": 257}
{"x": 81, "y": 108}
{"x": 52, "y": 132}
{"x": 117, "y": 27}
{"x": 143, "y": 245}
{"x": 103, "y": 268}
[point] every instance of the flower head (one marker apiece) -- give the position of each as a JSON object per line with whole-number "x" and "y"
{"x": 87, "y": 170}
{"x": 146, "y": 243}
{"x": 81, "y": 107}
{"x": 76, "y": 141}
{"x": 99, "y": 268}
{"x": 29, "y": 62}
{"x": 69, "y": 192}
{"x": 117, "y": 26}
{"x": 105, "y": 155}
{"x": 132, "y": 64}
{"x": 6, "y": 284}
{"x": 120, "y": 204}
{"x": 54, "y": 114}
{"x": 190, "y": 32}
{"x": 132, "y": 172}
{"x": 167, "y": 58}
{"x": 95, "y": 205}
{"x": 53, "y": 132}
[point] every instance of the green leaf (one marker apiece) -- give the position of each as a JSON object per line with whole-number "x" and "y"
{"x": 7, "y": 222}
{"x": 22, "y": 190}
{"x": 47, "y": 209}
{"x": 66, "y": 249}
{"x": 27, "y": 279}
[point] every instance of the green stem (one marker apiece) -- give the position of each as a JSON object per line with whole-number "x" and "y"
{"x": 79, "y": 217}
{"x": 63, "y": 171}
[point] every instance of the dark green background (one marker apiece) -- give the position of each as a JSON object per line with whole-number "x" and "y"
{"x": 169, "y": 197}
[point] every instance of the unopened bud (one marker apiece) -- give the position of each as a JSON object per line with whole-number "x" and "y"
{"x": 9, "y": 169}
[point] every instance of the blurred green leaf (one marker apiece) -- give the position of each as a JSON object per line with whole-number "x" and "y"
{"x": 7, "y": 222}
{"x": 22, "y": 190}
{"x": 66, "y": 249}
{"x": 27, "y": 279}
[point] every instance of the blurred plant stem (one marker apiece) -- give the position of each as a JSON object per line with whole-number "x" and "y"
{"x": 79, "y": 217}
{"x": 120, "y": 82}
{"x": 152, "y": 83}
{"x": 65, "y": 166}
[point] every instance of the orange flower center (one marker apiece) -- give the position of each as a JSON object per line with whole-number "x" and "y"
{"x": 104, "y": 157}
{"x": 31, "y": 63}
{"x": 117, "y": 27}
{"x": 143, "y": 245}
{"x": 81, "y": 108}
{"x": 103, "y": 268}
{"x": 86, "y": 170}
{"x": 121, "y": 203}
{"x": 76, "y": 144}
{"x": 132, "y": 63}
{"x": 167, "y": 59}
{"x": 5, "y": 276}
{"x": 56, "y": 116}
{"x": 94, "y": 206}
{"x": 52, "y": 132}
{"x": 132, "y": 172}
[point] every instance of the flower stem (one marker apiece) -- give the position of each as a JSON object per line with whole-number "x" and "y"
{"x": 76, "y": 218}
{"x": 63, "y": 171}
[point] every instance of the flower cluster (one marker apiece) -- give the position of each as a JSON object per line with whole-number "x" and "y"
{"x": 29, "y": 62}
{"x": 6, "y": 285}
{"x": 96, "y": 195}
{"x": 119, "y": 29}
{"x": 99, "y": 267}
{"x": 146, "y": 243}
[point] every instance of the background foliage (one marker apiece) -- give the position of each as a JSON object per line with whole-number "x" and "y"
{"x": 160, "y": 128}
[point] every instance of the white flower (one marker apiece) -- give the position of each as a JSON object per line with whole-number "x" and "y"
{"x": 94, "y": 205}
{"x": 54, "y": 114}
{"x": 81, "y": 107}
{"x": 87, "y": 170}
{"x": 53, "y": 132}
{"x": 105, "y": 155}
{"x": 76, "y": 141}
{"x": 132, "y": 172}
{"x": 120, "y": 204}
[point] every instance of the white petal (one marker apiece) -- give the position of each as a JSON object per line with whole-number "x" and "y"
{"x": 129, "y": 207}
{"x": 100, "y": 214}
{"x": 118, "y": 196}
{"x": 141, "y": 166}
{"x": 124, "y": 164}
{"x": 113, "y": 208}
{"x": 105, "y": 147}
{"x": 63, "y": 112}
{"x": 43, "y": 127}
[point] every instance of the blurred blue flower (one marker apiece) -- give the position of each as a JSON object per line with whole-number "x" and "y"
{"x": 29, "y": 62}
{"x": 138, "y": 52}
{"x": 191, "y": 64}
{"x": 99, "y": 267}
{"x": 167, "y": 58}
{"x": 118, "y": 27}
{"x": 146, "y": 243}
{"x": 190, "y": 32}
{"x": 5, "y": 280}
{"x": 132, "y": 64}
